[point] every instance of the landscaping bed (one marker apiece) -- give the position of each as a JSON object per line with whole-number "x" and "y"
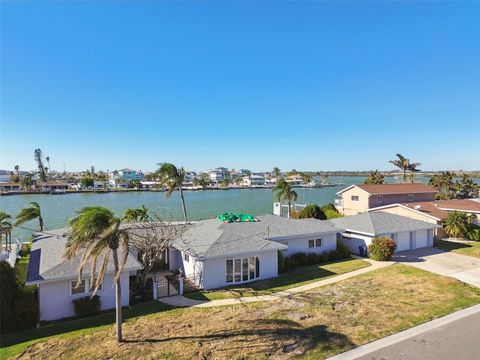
{"x": 314, "y": 325}
{"x": 471, "y": 248}
{"x": 300, "y": 276}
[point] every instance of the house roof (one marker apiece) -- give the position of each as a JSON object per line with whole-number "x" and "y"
{"x": 213, "y": 238}
{"x": 384, "y": 189}
{"x": 426, "y": 208}
{"x": 467, "y": 205}
{"x": 47, "y": 262}
{"x": 381, "y": 223}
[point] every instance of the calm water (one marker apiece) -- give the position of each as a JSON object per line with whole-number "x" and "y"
{"x": 58, "y": 209}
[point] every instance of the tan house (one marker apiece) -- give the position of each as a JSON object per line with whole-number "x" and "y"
{"x": 357, "y": 199}
{"x": 432, "y": 211}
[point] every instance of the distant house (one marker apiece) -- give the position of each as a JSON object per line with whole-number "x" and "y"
{"x": 219, "y": 174}
{"x": 295, "y": 180}
{"x": 357, "y": 199}
{"x": 130, "y": 175}
{"x": 10, "y": 186}
{"x": 56, "y": 277}
{"x": 53, "y": 186}
{"x": 214, "y": 254}
{"x": 253, "y": 180}
{"x": 408, "y": 233}
{"x": 433, "y": 211}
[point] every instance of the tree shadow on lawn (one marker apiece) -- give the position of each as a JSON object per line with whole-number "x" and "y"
{"x": 73, "y": 324}
{"x": 292, "y": 335}
{"x": 450, "y": 245}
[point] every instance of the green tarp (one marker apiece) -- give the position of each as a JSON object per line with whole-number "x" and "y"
{"x": 231, "y": 217}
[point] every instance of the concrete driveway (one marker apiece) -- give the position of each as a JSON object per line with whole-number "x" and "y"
{"x": 461, "y": 267}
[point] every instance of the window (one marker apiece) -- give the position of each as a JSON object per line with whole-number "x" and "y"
{"x": 354, "y": 198}
{"x": 411, "y": 197}
{"x": 238, "y": 270}
{"x": 318, "y": 242}
{"x": 229, "y": 271}
{"x": 91, "y": 285}
{"x": 186, "y": 257}
{"x": 257, "y": 267}
{"x": 311, "y": 243}
{"x": 245, "y": 269}
{"x": 252, "y": 268}
{"x": 77, "y": 290}
{"x": 380, "y": 199}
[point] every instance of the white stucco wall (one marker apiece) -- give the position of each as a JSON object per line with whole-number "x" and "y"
{"x": 329, "y": 243}
{"x": 55, "y": 300}
{"x": 214, "y": 270}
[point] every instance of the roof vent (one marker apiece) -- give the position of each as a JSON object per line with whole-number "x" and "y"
{"x": 417, "y": 207}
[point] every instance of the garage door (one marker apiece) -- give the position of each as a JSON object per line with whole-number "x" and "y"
{"x": 403, "y": 241}
{"x": 422, "y": 239}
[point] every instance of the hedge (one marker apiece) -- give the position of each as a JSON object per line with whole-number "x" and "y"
{"x": 303, "y": 259}
{"x": 382, "y": 248}
{"x": 87, "y": 306}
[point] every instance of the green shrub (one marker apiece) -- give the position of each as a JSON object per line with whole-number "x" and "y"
{"x": 329, "y": 207}
{"x": 473, "y": 232}
{"x": 25, "y": 250}
{"x": 342, "y": 249}
{"x": 281, "y": 262}
{"x": 18, "y": 309}
{"x": 382, "y": 248}
{"x": 312, "y": 211}
{"x": 330, "y": 211}
{"x": 86, "y": 306}
{"x": 313, "y": 258}
{"x": 300, "y": 258}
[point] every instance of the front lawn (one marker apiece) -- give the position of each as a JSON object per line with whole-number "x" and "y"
{"x": 312, "y": 325}
{"x": 15, "y": 343}
{"x": 470, "y": 248}
{"x": 300, "y": 276}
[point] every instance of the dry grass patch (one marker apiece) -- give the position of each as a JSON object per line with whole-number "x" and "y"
{"x": 316, "y": 324}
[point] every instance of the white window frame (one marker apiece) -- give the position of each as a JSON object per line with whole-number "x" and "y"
{"x": 312, "y": 242}
{"x": 411, "y": 197}
{"x": 318, "y": 240}
{"x": 87, "y": 290}
{"x": 379, "y": 199}
{"x": 355, "y": 198}
{"x": 249, "y": 268}
{"x": 186, "y": 257}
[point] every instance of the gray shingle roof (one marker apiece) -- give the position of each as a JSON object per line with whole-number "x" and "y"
{"x": 213, "y": 238}
{"x": 381, "y": 223}
{"x": 47, "y": 262}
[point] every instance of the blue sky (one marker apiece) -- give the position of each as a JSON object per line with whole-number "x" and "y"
{"x": 305, "y": 85}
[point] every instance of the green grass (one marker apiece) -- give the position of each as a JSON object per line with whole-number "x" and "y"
{"x": 15, "y": 343}
{"x": 300, "y": 276}
{"x": 470, "y": 249}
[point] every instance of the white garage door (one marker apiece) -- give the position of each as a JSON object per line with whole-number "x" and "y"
{"x": 403, "y": 241}
{"x": 421, "y": 238}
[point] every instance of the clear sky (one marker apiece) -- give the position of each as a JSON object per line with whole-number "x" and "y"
{"x": 305, "y": 85}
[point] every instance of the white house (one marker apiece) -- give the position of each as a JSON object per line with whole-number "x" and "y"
{"x": 253, "y": 180}
{"x": 408, "y": 233}
{"x": 219, "y": 174}
{"x": 214, "y": 254}
{"x": 56, "y": 277}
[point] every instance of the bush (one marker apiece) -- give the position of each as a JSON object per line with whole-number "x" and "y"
{"x": 313, "y": 258}
{"x": 331, "y": 211}
{"x": 25, "y": 250}
{"x": 86, "y": 306}
{"x": 342, "y": 249}
{"x": 312, "y": 211}
{"x": 281, "y": 262}
{"x": 473, "y": 232}
{"x": 382, "y": 248}
{"x": 300, "y": 258}
{"x": 18, "y": 309}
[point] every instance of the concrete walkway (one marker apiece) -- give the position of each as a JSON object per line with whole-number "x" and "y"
{"x": 181, "y": 301}
{"x": 451, "y": 337}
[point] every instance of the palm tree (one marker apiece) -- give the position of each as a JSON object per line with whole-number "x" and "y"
{"x": 276, "y": 172}
{"x": 283, "y": 191}
{"x": 413, "y": 168}
{"x": 48, "y": 161}
{"x": 95, "y": 233}
{"x": 5, "y": 229}
{"x": 39, "y": 159}
{"x": 5, "y": 220}
{"x": 172, "y": 178}
{"x": 403, "y": 164}
{"x": 445, "y": 185}
{"x": 456, "y": 224}
{"x": 375, "y": 177}
{"x": 136, "y": 215}
{"x": 31, "y": 212}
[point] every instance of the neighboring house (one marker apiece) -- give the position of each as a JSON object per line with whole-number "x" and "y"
{"x": 130, "y": 175}
{"x": 56, "y": 277}
{"x": 433, "y": 211}
{"x": 253, "y": 180}
{"x": 119, "y": 183}
{"x": 408, "y": 233}
{"x": 10, "y": 186}
{"x": 295, "y": 180}
{"x": 53, "y": 186}
{"x": 214, "y": 254}
{"x": 357, "y": 199}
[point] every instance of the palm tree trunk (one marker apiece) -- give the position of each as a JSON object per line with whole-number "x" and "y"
{"x": 404, "y": 175}
{"x": 289, "y": 210}
{"x": 40, "y": 222}
{"x": 183, "y": 203}
{"x": 118, "y": 298}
